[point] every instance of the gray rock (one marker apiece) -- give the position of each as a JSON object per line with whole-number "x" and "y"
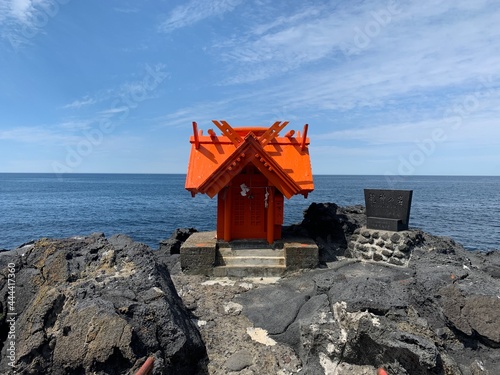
{"x": 333, "y": 224}
{"x": 472, "y": 315}
{"x": 363, "y": 240}
{"x": 239, "y": 360}
{"x": 92, "y": 305}
{"x": 395, "y": 238}
{"x": 387, "y": 252}
{"x": 438, "y": 315}
{"x": 282, "y": 304}
{"x": 173, "y": 244}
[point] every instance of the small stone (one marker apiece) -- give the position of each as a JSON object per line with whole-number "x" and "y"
{"x": 365, "y": 248}
{"x": 377, "y": 257}
{"x": 389, "y": 246}
{"x": 380, "y": 243}
{"x": 396, "y": 261}
{"x": 360, "y": 247}
{"x": 387, "y": 252}
{"x": 239, "y": 360}
{"x": 363, "y": 240}
{"x": 385, "y": 236}
{"x": 366, "y": 256}
{"x": 398, "y": 254}
{"x": 365, "y": 233}
{"x": 232, "y": 308}
{"x": 375, "y": 235}
{"x": 351, "y": 245}
{"x": 404, "y": 248}
{"x": 371, "y": 241}
{"x": 357, "y": 231}
{"x": 395, "y": 238}
{"x": 409, "y": 242}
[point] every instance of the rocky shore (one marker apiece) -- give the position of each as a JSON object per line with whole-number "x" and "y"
{"x": 97, "y": 305}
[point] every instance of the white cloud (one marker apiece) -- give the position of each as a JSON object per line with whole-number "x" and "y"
{"x": 21, "y": 9}
{"x": 195, "y": 11}
{"x": 37, "y": 134}
{"x": 21, "y": 20}
{"x": 439, "y": 43}
{"x": 81, "y": 103}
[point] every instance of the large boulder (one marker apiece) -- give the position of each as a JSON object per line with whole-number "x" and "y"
{"x": 168, "y": 253}
{"x": 331, "y": 227}
{"x": 94, "y": 306}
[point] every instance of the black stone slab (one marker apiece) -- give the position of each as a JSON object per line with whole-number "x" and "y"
{"x": 382, "y": 223}
{"x": 388, "y": 209}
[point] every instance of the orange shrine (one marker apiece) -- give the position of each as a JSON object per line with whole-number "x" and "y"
{"x": 251, "y": 170}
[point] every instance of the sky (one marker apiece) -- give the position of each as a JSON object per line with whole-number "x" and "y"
{"x": 387, "y": 87}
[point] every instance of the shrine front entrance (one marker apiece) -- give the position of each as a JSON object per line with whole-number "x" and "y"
{"x": 249, "y": 208}
{"x": 249, "y": 200}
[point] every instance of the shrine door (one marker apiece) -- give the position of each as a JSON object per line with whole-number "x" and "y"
{"x": 248, "y": 209}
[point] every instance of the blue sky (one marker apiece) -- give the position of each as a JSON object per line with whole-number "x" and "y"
{"x": 387, "y": 87}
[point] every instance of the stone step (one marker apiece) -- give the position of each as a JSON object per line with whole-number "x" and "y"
{"x": 251, "y": 258}
{"x": 253, "y": 261}
{"x": 248, "y": 271}
{"x": 226, "y": 252}
{"x": 245, "y": 244}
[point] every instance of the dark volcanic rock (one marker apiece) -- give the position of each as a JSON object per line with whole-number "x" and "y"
{"x": 283, "y": 304}
{"x": 488, "y": 262}
{"x": 173, "y": 244}
{"x": 331, "y": 227}
{"x": 168, "y": 254}
{"x": 96, "y": 306}
{"x": 438, "y": 315}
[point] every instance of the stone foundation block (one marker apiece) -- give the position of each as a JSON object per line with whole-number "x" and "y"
{"x": 301, "y": 255}
{"x": 198, "y": 254}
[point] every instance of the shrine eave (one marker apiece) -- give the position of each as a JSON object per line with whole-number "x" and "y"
{"x": 284, "y": 161}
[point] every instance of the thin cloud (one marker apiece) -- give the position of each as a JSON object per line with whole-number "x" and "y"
{"x": 405, "y": 37}
{"x": 126, "y": 10}
{"x": 195, "y": 11}
{"x": 20, "y": 19}
{"x": 37, "y": 134}
{"x": 79, "y": 103}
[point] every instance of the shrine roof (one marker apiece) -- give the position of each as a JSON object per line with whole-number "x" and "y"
{"x": 216, "y": 159}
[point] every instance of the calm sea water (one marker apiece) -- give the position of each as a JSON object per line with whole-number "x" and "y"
{"x": 149, "y": 207}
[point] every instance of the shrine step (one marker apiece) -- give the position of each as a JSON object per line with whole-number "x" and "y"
{"x": 250, "y": 262}
{"x": 248, "y": 271}
{"x": 250, "y": 257}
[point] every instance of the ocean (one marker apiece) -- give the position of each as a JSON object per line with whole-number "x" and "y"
{"x": 148, "y": 207}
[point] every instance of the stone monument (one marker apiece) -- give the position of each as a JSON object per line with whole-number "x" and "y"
{"x": 388, "y": 209}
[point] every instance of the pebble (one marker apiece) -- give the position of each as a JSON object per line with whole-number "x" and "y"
{"x": 239, "y": 360}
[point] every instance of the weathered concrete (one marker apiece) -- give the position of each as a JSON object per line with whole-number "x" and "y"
{"x": 198, "y": 254}
{"x": 300, "y": 253}
{"x": 202, "y": 254}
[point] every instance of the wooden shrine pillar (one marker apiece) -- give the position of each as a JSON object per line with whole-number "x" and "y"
{"x": 227, "y": 214}
{"x": 270, "y": 215}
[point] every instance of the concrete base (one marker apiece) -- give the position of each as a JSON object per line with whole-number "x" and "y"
{"x": 300, "y": 253}
{"x": 203, "y": 254}
{"x": 198, "y": 254}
